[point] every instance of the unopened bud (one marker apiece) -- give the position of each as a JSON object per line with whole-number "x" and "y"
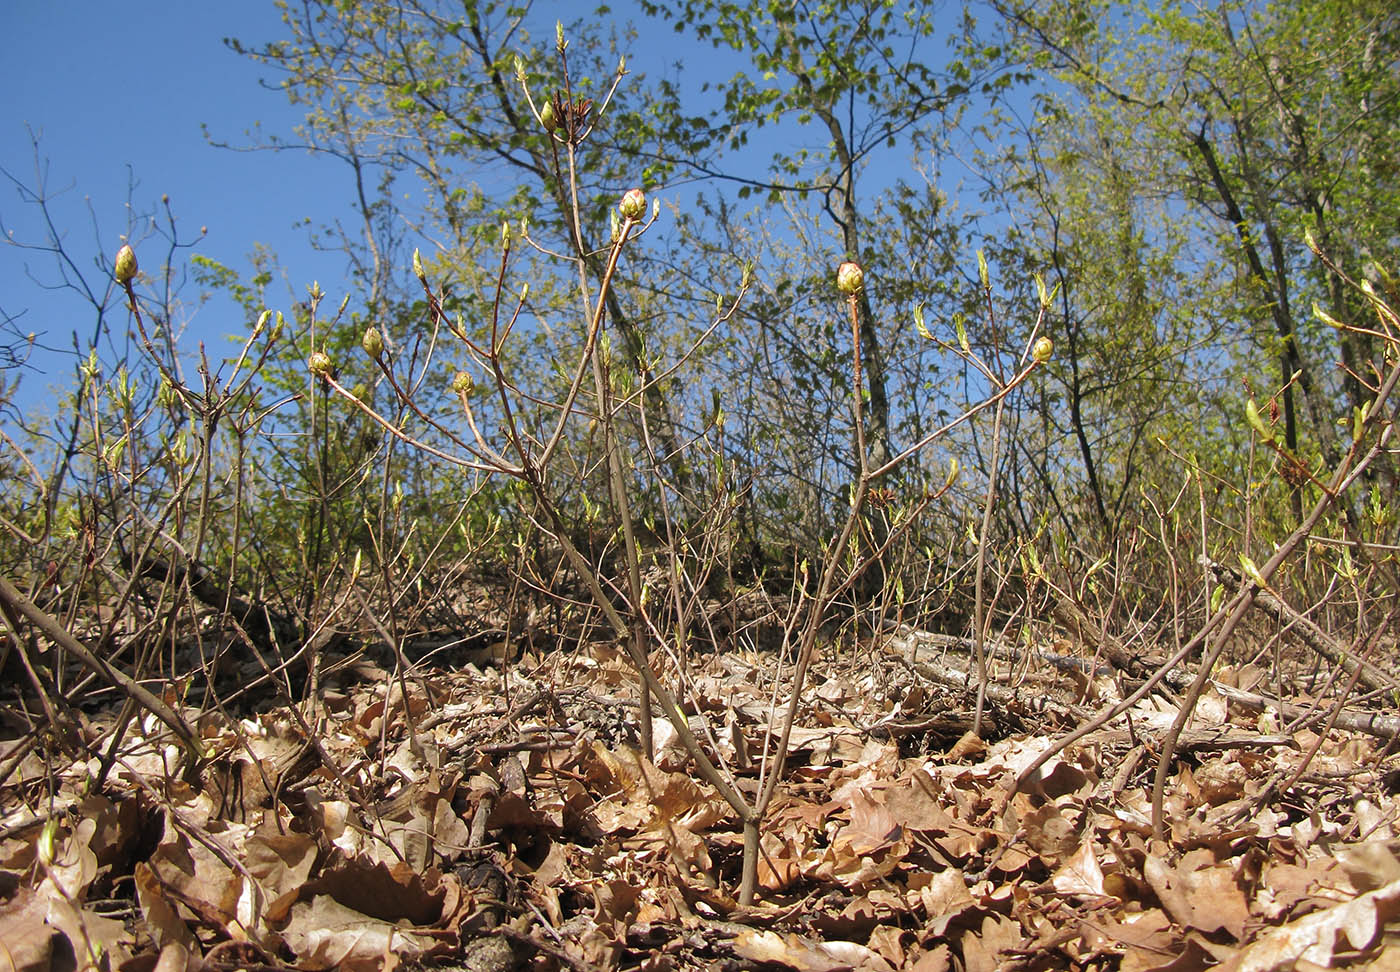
{"x": 126, "y": 264}
{"x": 1042, "y": 349}
{"x": 372, "y": 342}
{"x": 462, "y": 383}
{"x": 849, "y": 278}
{"x": 1256, "y": 421}
{"x": 633, "y": 205}
{"x": 548, "y": 118}
{"x": 418, "y": 267}
{"x": 320, "y": 363}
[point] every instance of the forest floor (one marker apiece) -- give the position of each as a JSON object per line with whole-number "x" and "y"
{"x": 499, "y": 816}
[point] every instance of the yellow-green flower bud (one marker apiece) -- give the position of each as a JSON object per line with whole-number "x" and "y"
{"x": 462, "y": 383}
{"x": 548, "y": 117}
{"x": 418, "y": 267}
{"x": 850, "y": 278}
{"x": 633, "y": 205}
{"x": 1042, "y": 349}
{"x": 372, "y": 342}
{"x": 320, "y": 363}
{"x": 125, "y": 264}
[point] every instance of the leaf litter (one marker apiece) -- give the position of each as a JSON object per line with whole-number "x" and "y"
{"x": 504, "y": 818}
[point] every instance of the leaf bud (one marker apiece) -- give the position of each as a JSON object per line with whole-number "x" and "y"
{"x": 1042, "y": 349}
{"x": 919, "y": 324}
{"x": 850, "y": 278}
{"x": 125, "y": 264}
{"x": 462, "y": 383}
{"x": 372, "y": 342}
{"x": 1327, "y": 318}
{"x": 320, "y": 363}
{"x": 1256, "y": 421}
{"x": 45, "y": 846}
{"x": 633, "y": 205}
{"x": 418, "y": 267}
{"x": 548, "y": 118}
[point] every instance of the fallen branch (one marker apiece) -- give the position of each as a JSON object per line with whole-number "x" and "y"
{"x": 1371, "y": 723}
{"x": 1373, "y": 677}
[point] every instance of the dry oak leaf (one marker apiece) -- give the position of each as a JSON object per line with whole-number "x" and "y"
{"x": 26, "y": 942}
{"x": 324, "y": 934}
{"x": 1204, "y": 898}
{"x": 1316, "y": 938}
{"x": 804, "y": 955}
{"x": 1080, "y": 874}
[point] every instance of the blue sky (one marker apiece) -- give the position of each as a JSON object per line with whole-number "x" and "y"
{"x": 116, "y": 94}
{"x": 119, "y": 103}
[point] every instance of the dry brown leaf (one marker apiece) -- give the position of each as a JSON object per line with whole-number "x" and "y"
{"x": 26, "y": 942}
{"x": 281, "y": 863}
{"x": 804, "y": 955}
{"x": 982, "y": 951}
{"x": 161, "y": 918}
{"x": 936, "y": 959}
{"x": 96, "y": 940}
{"x": 1317, "y": 938}
{"x": 324, "y": 934}
{"x": 1206, "y": 899}
{"x": 200, "y": 880}
{"x": 1080, "y": 874}
{"x": 887, "y": 940}
{"x": 1371, "y": 865}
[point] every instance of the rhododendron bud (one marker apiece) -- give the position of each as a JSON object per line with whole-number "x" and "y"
{"x": 634, "y": 204}
{"x": 372, "y": 342}
{"x": 849, "y": 278}
{"x": 320, "y": 363}
{"x": 462, "y": 383}
{"x": 126, "y": 264}
{"x": 1042, "y": 349}
{"x": 548, "y": 117}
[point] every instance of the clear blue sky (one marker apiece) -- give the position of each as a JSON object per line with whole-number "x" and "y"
{"x": 117, "y": 92}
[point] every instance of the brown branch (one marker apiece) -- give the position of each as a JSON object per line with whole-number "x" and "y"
{"x": 60, "y": 636}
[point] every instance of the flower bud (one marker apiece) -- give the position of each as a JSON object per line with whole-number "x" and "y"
{"x": 126, "y": 264}
{"x": 372, "y": 342}
{"x": 633, "y": 205}
{"x": 418, "y": 267}
{"x": 1042, "y": 349}
{"x": 320, "y": 363}
{"x": 548, "y": 117}
{"x": 849, "y": 278}
{"x": 462, "y": 383}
